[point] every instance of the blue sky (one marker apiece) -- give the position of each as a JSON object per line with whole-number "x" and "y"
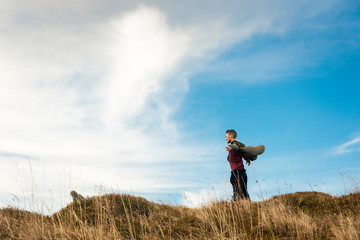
{"x": 136, "y": 98}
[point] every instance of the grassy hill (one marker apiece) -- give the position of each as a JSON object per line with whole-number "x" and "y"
{"x": 301, "y": 215}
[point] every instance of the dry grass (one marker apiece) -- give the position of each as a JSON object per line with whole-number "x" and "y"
{"x": 306, "y": 215}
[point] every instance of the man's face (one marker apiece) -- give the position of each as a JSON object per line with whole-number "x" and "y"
{"x": 228, "y": 138}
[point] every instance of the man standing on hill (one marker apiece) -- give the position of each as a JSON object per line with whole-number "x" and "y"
{"x": 238, "y": 177}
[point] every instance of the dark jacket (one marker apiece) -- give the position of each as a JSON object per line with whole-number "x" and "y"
{"x": 248, "y": 153}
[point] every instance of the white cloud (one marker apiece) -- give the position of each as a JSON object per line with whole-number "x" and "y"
{"x": 199, "y": 198}
{"x": 217, "y": 191}
{"x": 350, "y": 146}
{"x": 144, "y": 52}
{"x": 62, "y": 87}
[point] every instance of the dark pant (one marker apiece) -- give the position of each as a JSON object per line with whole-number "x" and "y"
{"x": 238, "y": 180}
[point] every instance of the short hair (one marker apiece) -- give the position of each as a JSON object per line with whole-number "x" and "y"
{"x": 232, "y": 132}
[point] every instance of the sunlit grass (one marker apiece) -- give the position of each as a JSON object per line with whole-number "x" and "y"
{"x": 302, "y": 215}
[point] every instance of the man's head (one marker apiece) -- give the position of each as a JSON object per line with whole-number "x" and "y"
{"x": 230, "y": 135}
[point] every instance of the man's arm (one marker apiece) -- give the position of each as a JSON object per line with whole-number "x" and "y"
{"x": 234, "y": 147}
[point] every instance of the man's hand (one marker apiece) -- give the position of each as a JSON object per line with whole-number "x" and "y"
{"x": 228, "y": 148}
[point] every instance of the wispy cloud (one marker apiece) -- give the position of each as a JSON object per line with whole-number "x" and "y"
{"x": 350, "y": 146}
{"x": 204, "y": 197}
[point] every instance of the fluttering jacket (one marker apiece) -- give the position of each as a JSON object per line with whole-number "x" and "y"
{"x": 248, "y": 153}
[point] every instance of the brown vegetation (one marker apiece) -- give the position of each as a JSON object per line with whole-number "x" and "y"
{"x": 302, "y": 215}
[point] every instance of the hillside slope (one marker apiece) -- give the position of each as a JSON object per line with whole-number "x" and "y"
{"x": 301, "y": 215}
